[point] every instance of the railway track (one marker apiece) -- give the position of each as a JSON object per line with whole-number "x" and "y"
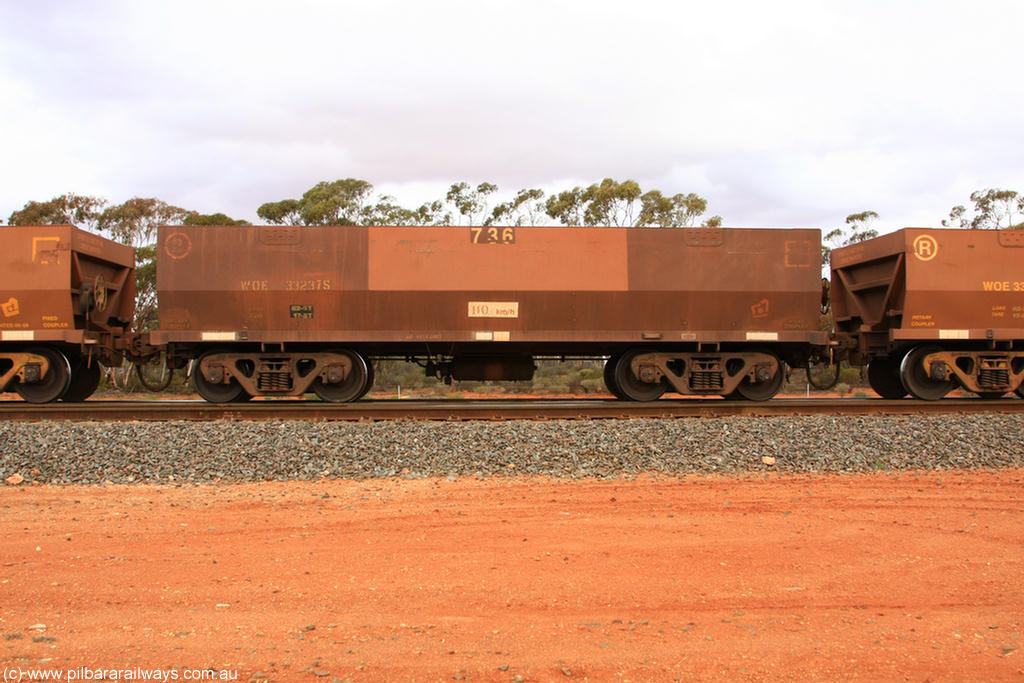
{"x": 502, "y": 409}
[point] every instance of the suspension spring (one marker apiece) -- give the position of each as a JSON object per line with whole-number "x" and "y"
{"x": 274, "y": 377}
{"x": 995, "y": 379}
{"x": 705, "y": 380}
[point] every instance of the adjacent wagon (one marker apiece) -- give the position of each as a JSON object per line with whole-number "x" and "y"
{"x": 67, "y": 298}
{"x": 930, "y": 310}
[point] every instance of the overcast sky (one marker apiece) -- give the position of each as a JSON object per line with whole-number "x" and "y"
{"x": 779, "y": 112}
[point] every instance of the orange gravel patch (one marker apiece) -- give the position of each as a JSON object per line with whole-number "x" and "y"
{"x": 779, "y": 578}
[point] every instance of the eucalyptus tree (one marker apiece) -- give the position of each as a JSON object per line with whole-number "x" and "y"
{"x": 993, "y": 210}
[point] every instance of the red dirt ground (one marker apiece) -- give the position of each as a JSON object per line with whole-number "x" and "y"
{"x": 881, "y": 577}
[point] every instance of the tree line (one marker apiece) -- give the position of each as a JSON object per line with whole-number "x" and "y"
{"x": 350, "y": 201}
{"x": 609, "y": 203}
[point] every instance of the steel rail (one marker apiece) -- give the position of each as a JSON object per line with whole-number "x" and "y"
{"x": 501, "y": 409}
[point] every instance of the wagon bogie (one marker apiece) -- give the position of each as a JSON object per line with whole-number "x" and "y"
{"x": 228, "y": 375}
{"x": 756, "y": 375}
{"x": 988, "y": 373}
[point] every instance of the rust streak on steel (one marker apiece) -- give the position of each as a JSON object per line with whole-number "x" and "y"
{"x": 506, "y": 409}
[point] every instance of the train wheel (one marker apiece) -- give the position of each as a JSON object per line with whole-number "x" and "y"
{"x": 916, "y": 378}
{"x": 85, "y": 378}
{"x": 371, "y": 376}
{"x": 609, "y": 377}
{"x": 630, "y": 387}
{"x": 1019, "y": 391}
{"x": 884, "y": 377}
{"x": 761, "y": 391}
{"x": 352, "y": 387}
{"x": 215, "y": 393}
{"x": 53, "y": 385}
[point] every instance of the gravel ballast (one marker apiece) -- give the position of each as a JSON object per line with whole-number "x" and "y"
{"x": 128, "y": 452}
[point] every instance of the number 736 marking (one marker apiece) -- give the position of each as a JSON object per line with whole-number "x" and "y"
{"x": 492, "y": 235}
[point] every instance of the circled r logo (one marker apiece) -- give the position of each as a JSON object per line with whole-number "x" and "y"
{"x": 178, "y": 245}
{"x": 925, "y": 247}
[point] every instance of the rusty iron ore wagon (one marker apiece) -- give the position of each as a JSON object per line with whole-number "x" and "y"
{"x": 931, "y": 310}
{"x": 281, "y": 311}
{"x": 67, "y": 298}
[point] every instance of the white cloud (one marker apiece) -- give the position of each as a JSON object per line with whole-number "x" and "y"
{"x": 783, "y": 113}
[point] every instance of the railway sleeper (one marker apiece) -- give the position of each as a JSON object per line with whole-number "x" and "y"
{"x": 277, "y": 374}
{"x": 756, "y": 375}
{"x": 987, "y": 373}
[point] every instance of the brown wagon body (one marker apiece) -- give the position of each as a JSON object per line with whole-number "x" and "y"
{"x": 929, "y": 309}
{"x": 479, "y": 302}
{"x": 67, "y": 297}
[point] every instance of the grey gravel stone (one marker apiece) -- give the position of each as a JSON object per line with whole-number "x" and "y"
{"x": 97, "y": 452}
